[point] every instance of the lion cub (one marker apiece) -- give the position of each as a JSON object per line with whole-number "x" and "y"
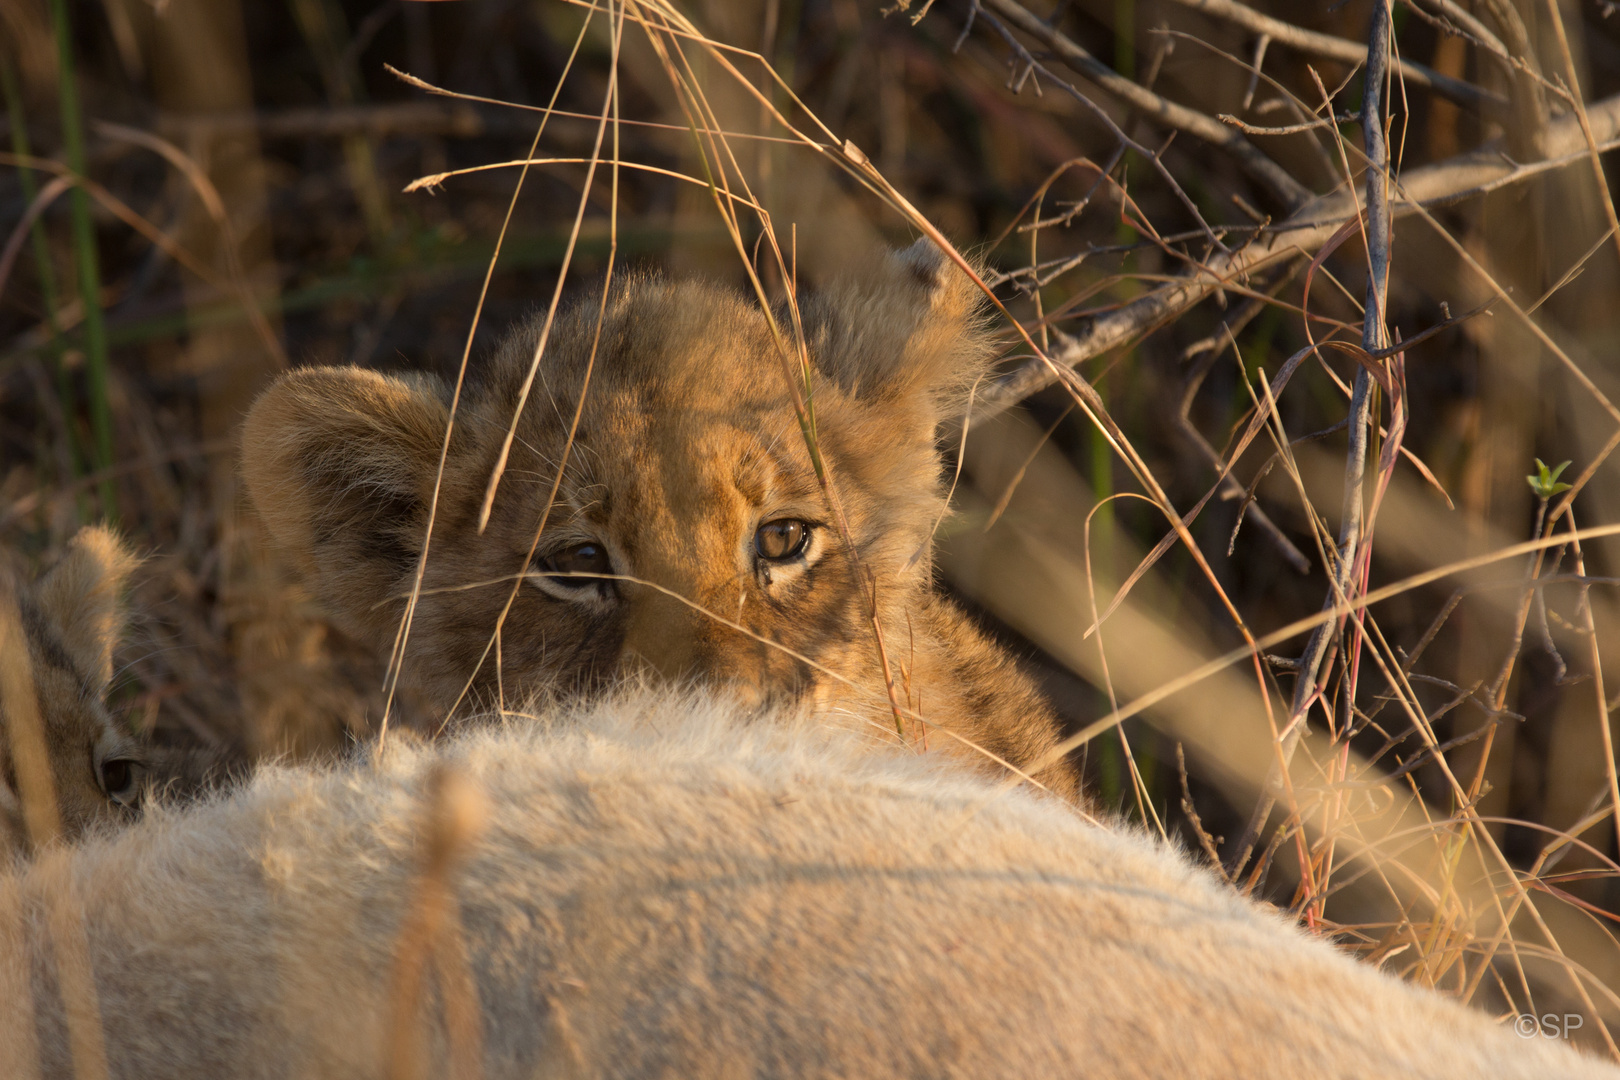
{"x": 689, "y": 537}
{"x": 69, "y": 621}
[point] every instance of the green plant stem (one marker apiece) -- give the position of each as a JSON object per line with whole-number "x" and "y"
{"x": 1125, "y": 38}
{"x": 43, "y": 268}
{"x": 84, "y": 253}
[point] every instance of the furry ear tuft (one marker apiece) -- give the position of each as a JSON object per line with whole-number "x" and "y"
{"x": 339, "y": 463}
{"x": 83, "y": 597}
{"x": 909, "y": 326}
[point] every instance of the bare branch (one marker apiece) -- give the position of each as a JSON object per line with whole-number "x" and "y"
{"x": 1032, "y": 64}
{"x": 1337, "y": 48}
{"x": 1290, "y": 192}
{"x": 1454, "y": 18}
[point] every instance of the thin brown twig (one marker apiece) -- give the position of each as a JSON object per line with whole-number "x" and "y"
{"x": 1154, "y": 158}
{"x": 19, "y": 233}
{"x": 34, "y": 499}
{"x": 209, "y": 195}
{"x": 1154, "y": 107}
{"x": 1294, "y": 37}
{"x": 176, "y": 251}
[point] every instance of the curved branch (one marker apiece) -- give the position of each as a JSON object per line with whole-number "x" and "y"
{"x": 1290, "y": 192}
{"x": 1352, "y": 52}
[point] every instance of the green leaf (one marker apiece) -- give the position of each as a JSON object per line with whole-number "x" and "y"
{"x": 1545, "y": 482}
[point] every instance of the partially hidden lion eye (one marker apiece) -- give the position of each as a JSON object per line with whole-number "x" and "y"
{"x": 782, "y": 539}
{"x": 119, "y": 779}
{"x": 588, "y": 558}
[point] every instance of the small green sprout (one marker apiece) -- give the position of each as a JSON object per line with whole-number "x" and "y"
{"x": 1545, "y": 483}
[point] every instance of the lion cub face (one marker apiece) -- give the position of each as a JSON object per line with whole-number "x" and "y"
{"x": 51, "y": 694}
{"x": 677, "y": 528}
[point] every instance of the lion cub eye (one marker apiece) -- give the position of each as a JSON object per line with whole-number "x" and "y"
{"x": 120, "y": 778}
{"x": 587, "y": 558}
{"x": 782, "y": 539}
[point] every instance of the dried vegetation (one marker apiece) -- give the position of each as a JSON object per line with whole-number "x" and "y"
{"x": 1250, "y": 490}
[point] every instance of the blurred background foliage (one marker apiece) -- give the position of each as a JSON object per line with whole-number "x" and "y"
{"x": 244, "y": 210}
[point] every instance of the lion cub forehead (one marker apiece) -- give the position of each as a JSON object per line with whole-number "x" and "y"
{"x": 683, "y": 337}
{"x": 688, "y": 460}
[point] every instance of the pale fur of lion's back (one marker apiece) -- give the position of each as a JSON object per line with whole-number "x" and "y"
{"x": 663, "y": 891}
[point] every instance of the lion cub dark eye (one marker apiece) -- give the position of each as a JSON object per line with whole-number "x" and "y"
{"x": 782, "y": 539}
{"x": 579, "y": 559}
{"x": 119, "y": 777}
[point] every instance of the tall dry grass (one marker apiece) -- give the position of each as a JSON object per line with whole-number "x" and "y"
{"x": 1250, "y": 490}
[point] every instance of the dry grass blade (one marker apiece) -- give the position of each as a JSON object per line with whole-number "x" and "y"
{"x": 25, "y": 729}
{"x": 1327, "y": 615}
{"x": 209, "y": 194}
{"x": 30, "y": 764}
{"x": 453, "y": 815}
{"x": 397, "y": 657}
{"x": 20, "y": 233}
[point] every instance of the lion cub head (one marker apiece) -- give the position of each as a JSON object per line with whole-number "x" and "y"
{"x": 51, "y": 692}
{"x": 688, "y": 535}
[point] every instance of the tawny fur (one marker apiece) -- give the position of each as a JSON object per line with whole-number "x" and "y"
{"x": 687, "y": 442}
{"x": 71, "y": 619}
{"x": 663, "y": 891}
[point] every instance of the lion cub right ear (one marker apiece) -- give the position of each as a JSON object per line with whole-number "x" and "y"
{"x": 339, "y": 463}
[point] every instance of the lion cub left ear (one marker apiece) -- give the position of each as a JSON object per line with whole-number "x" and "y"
{"x": 910, "y": 328}
{"x": 82, "y": 596}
